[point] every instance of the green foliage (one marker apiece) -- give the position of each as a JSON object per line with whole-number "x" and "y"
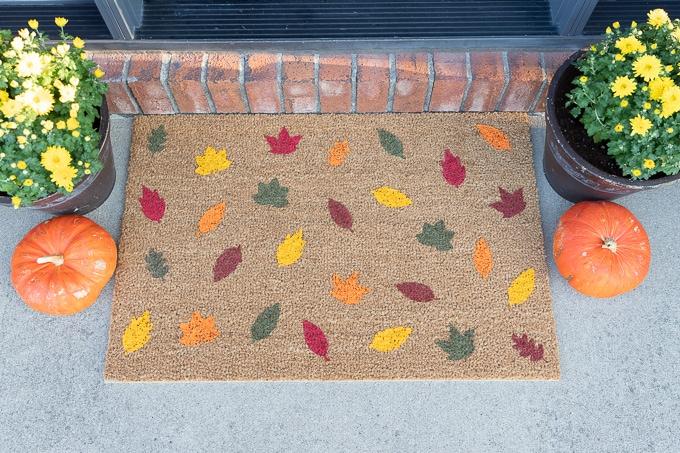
{"x": 436, "y": 235}
{"x": 272, "y": 193}
{"x": 458, "y": 346}
{"x": 157, "y": 139}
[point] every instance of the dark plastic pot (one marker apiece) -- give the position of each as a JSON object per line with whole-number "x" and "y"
{"x": 91, "y": 191}
{"x": 569, "y": 174}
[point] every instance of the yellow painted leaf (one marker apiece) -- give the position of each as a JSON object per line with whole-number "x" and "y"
{"x": 338, "y": 153}
{"x": 390, "y": 339}
{"x": 211, "y": 218}
{"x": 494, "y": 137}
{"x": 522, "y": 287}
{"x": 290, "y": 249}
{"x": 137, "y": 333}
{"x": 212, "y": 161}
{"x": 392, "y": 198}
{"x": 483, "y": 258}
{"x": 348, "y": 290}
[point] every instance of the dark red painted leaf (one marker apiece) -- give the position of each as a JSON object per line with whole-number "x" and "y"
{"x": 527, "y": 347}
{"x": 340, "y": 214}
{"x": 227, "y": 263}
{"x": 511, "y": 203}
{"x": 315, "y": 339}
{"x": 452, "y": 170}
{"x": 153, "y": 206}
{"x": 415, "y": 291}
{"x": 284, "y": 143}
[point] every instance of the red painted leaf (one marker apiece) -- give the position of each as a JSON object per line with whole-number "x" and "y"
{"x": 527, "y": 347}
{"x": 415, "y": 291}
{"x": 315, "y": 339}
{"x": 452, "y": 170}
{"x": 340, "y": 214}
{"x": 284, "y": 143}
{"x": 511, "y": 203}
{"x": 153, "y": 206}
{"x": 227, "y": 263}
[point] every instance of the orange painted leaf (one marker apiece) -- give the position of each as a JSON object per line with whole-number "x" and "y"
{"x": 494, "y": 137}
{"x": 348, "y": 290}
{"x": 198, "y": 330}
{"x": 483, "y": 258}
{"x": 211, "y": 218}
{"x": 338, "y": 153}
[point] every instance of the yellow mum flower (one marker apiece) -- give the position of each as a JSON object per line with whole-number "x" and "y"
{"x": 21, "y": 140}
{"x": 648, "y": 67}
{"x": 38, "y": 99}
{"x": 608, "y": 30}
{"x": 616, "y": 25}
{"x": 10, "y": 108}
{"x": 4, "y": 95}
{"x": 623, "y": 86}
{"x": 72, "y": 124}
{"x": 21, "y": 165}
{"x": 636, "y": 172}
{"x": 627, "y": 45}
{"x": 75, "y": 133}
{"x": 633, "y": 24}
{"x": 33, "y": 24}
{"x": 67, "y": 93}
{"x": 29, "y": 65}
{"x": 47, "y": 124}
{"x": 669, "y": 130}
{"x": 17, "y": 43}
{"x": 583, "y": 79}
{"x": 28, "y": 182}
{"x": 657, "y": 17}
{"x": 670, "y": 101}
{"x": 98, "y": 73}
{"x": 658, "y": 86}
{"x": 646, "y": 106}
{"x": 618, "y": 127}
{"x": 78, "y": 43}
{"x": 648, "y": 164}
{"x": 61, "y": 124}
{"x": 624, "y": 103}
{"x": 619, "y": 57}
{"x": 55, "y": 157}
{"x": 63, "y": 177}
{"x": 676, "y": 34}
{"x": 640, "y": 125}
{"x": 60, "y": 21}
{"x": 16, "y": 202}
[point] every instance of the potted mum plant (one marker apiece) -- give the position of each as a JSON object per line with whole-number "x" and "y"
{"x": 612, "y": 121}
{"x": 55, "y": 151}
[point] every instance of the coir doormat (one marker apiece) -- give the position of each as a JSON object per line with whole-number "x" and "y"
{"x": 277, "y": 247}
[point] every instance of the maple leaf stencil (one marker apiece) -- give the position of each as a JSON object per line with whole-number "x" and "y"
{"x": 436, "y": 235}
{"x": 511, "y": 203}
{"x": 348, "y": 290}
{"x": 284, "y": 143}
{"x": 272, "y": 194}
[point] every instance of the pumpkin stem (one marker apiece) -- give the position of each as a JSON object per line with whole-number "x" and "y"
{"x": 609, "y": 244}
{"x": 57, "y": 260}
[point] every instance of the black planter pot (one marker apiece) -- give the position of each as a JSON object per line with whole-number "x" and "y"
{"x": 569, "y": 174}
{"x": 91, "y": 191}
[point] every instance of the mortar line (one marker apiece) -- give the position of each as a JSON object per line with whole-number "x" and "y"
{"x": 204, "y": 84}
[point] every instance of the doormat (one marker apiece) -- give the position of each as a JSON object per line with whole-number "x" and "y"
{"x": 331, "y": 247}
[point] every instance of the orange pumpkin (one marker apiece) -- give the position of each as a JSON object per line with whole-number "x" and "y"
{"x": 61, "y": 265}
{"x": 601, "y": 249}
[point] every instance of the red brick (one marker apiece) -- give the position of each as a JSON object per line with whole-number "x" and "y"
{"x": 145, "y": 83}
{"x": 261, "y": 83}
{"x": 373, "y": 83}
{"x": 184, "y": 80}
{"x": 450, "y": 80}
{"x": 487, "y": 81}
{"x": 526, "y": 79}
{"x": 551, "y": 61}
{"x": 335, "y": 83}
{"x": 299, "y": 89}
{"x": 412, "y": 81}
{"x": 223, "y": 83}
{"x": 117, "y": 98}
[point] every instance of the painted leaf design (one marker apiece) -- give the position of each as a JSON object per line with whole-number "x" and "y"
{"x": 390, "y": 339}
{"x": 459, "y": 345}
{"x": 340, "y": 214}
{"x": 527, "y": 347}
{"x": 452, "y": 169}
{"x": 417, "y": 292}
{"x": 211, "y": 218}
{"x": 522, "y": 287}
{"x": 272, "y": 194}
{"x": 494, "y": 137}
{"x": 284, "y": 143}
{"x": 436, "y": 235}
{"x": 290, "y": 249}
{"x": 157, "y": 139}
{"x": 483, "y": 258}
{"x": 265, "y": 323}
{"x": 153, "y": 206}
{"x": 511, "y": 203}
{"x": 212, "y": 161}
{"x": 156, "y": 264}
{"x": 227, "y": 263}
{"x": 316, "y": 340}
{"x": 338, "y": 153}
{"x": 348, "y": 290}
{"x": 198, "y": 330}
{"x": 137, "y": 333}
{"x": 391, "y": 198}
{"x": 390, "y": 143}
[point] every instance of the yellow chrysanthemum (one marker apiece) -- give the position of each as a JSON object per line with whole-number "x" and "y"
{"x": 676, "y": 34}
{"x": 33, "y": 24}
{"x": 640, "y": 125}
{"x": 646, "y": 106}
{"x": 618, "y": 127}
{"x": 627, "y": 45}
{"x": 72, "y": 124}
{"x": 670, "y": 101}
{"x": 16, "y": 202}
{"x": 583, "y": 79}
{"x": 648, "y": 67}
{"x": 55, "y": 157}
{"x": 67, "y": 93}
{"x": 658, "y": 86}
{"x": 648, "y": 164}
{"x": 61, "y": 124}
{"x": 21, "y": 165}
{"x": 624, "y": 103}
{"x": 28, "y": 182}
{"x": 60, "y": 21}
{"x": 63, "y": 177}
{"x": 670, "y": 130}
{"x": 616, "y": 25}
{"x": 4, "y": 95}
{"x": 10, "y": 108}
{"x": 657, "y": 17}
{"x": 636, "y": 172}
{"x": 29, "y": 65}
{"x": 619, "y": 57}
{"x": 38, "y": 99}
{"x": 78, "y": 43}
{"x": 98, "y": 73}
{"x": 623, "y": 86}
{"x": 21, "y": 140}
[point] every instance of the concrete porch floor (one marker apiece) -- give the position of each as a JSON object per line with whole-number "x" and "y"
{"x": 620, "y": 364}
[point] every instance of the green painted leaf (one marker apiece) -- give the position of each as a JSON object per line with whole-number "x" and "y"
{"x": 458, "y": 346}
{"x": 272, "y": 194}
{"x": 157, "y": 139}
{"x": 156, "y": 264}
{"x": 436, "y": 235}
{"x": 391, "y": 143}
{"x": 265, "y": 323}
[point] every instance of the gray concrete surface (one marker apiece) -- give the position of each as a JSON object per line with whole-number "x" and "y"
{"x": 619, "y": 390}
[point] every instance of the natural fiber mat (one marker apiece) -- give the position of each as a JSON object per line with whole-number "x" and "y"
{"x": 387, "y": 246}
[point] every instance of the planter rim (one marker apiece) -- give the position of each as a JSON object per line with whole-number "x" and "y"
{"x": 557, "y": 131}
